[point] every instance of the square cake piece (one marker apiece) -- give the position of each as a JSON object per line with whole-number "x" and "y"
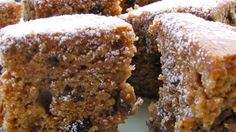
{"x": 66, "y": 73}
{"x": 10, "y": 12}
{"x": 148, "y": 67}
{"x": 198, "y": 74}
{"x": 46, "y": 8}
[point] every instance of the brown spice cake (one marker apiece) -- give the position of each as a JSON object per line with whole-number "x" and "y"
{"x": 46, "y": 8}
{"x": 10, "y": 12}
{"x": 145, "y": 77}
{"x": 198, "y": 74}
{"x": 125, "y": 4}
{"x": 66, "y": 73}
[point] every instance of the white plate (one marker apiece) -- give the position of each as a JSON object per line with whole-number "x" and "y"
{"x": 137, "y": 122}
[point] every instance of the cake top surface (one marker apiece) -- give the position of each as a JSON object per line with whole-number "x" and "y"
{"x": 171, "y": 5}
{"x": 217, "y": 39}
{"x": 63, "y": 24}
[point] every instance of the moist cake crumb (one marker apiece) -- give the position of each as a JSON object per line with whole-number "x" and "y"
{"x": 198, "y": 74}
{"x": 66, "y": 73}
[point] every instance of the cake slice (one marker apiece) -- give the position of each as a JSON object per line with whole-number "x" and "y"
{"x": 46, "y": 8}
{"x": 198, "y": 74}
{"x": 148, "y": 67}
{"x": 10, "y": 12}
{"x": 66, "y": 73}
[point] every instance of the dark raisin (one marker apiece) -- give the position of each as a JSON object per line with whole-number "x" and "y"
{"x": 130, "y": 3}
{"x": 78, "y": 126}
{"x": 67, "y": 90}
{"x": 209, "y": 18}
{"x": 228, "y": 115}
{"x": 78, "y": 98}
{"x": 45, "y": 99}
{"x": 83, "y": 67}
{"x": 87, "y": 122}
{"x": 54, "y": 61}
{"x": 117, "y": 45}
{"x": 230, "y": 16}
{"x": 115, "y": 94}
{"x": 120, "y": 104}
{"x": 233, "y": 85}
{"x": 199, "y": 79}
{"x": 1, "y": 69}
{"x": 97, "y": 9}
{"x": 34, "y": 128}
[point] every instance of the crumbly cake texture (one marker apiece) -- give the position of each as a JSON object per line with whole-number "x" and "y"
{"x": 46, "y": 8}
{"x": 66, "y": 73}
{"x": 125, "y": 4}
{"x": 148, "y": 67}
{"x": 198, "y": 74}
{"x": 10, "y": 12}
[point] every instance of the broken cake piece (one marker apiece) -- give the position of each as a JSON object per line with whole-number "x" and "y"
{"x": 46, "y": 8}
{"x": 66, "y": 73}
{"x": 145, "y": 77}
{"x": 10, "y": 12}
{"x": 198, "y": 60}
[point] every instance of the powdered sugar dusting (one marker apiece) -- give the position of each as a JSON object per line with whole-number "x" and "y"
{"x": 165, "y": 5}
{"x": 5, "y": 1}
{"x": 63, "y": 24}
{"x": 219, "y": 37}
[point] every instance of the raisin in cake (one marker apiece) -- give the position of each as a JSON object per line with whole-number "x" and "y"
{"x": 148, "y": 67}
{"x": 66, "y": 73}
{"x": 198, "y": 74}
{"x": 10, "y": 12}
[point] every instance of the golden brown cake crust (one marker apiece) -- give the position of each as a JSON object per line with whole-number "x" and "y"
{"x": 198, "y": 72}
{"x": 67, "y": 76}
{"x": 10, "y": 12}
{"x": 46, "y": 8}
{"x": 148, "y": 67}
